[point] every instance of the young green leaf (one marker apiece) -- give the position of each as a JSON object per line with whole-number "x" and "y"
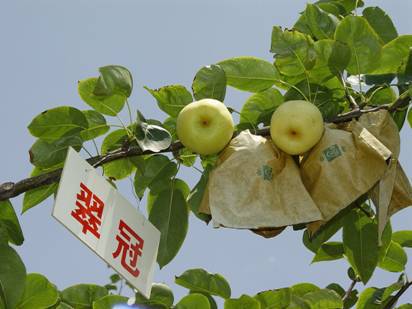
{"x": 260, "y": 104}
{"x": 82, "y": 296}
{"x": 45, "y": 154}
{"x": 274, "y": 298}
{"x": 194, "y": 300}
{"x": 58, "y": 122}
{"x": 329, "y": 251}
{"x": 199, "y": 280}
{"x": 36, "y": 196}
{"x": 114, "y": 79}
{"x": 38, "y": 293}
{"x": 210, "y": 83}
{"x": 97, "y": 125}
{"x": 394, "y": 259}
{"x": 171, "y": 99}
{"x": 360, "y": 242}
{"x": 243, "y": 302}
{"x": 249, "y": 73}
{"x": 108, "y": 105}
{"x": 12, "y": 276}
{"x": 120, "y": 168}
{"x": 10, "y": 222}
{"x": 110, "y": 301}
{"x": 363, "y": 41}
{"x": 160, "y": 295}
{"x": 170, "y": 215}
{"x": 381, "y": 23}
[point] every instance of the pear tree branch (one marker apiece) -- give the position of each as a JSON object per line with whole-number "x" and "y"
{"x": 11, "y": 189}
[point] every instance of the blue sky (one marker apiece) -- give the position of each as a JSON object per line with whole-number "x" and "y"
{"x": 46, "y": 46}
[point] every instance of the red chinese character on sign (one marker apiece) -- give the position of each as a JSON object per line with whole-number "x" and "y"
{"x": 89, "y": 210}
{"x": 130, "y": 245}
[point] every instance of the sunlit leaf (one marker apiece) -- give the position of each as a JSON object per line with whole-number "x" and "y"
{"x": 38, "y": 293}
{"x": 381, "y": 23}
{"x": 10, "y": 222}
{"x": 243, "y": 302}
{"x": 82, "y": 296}
{"x": 97, "y": 125}
{"x": 171, "y": 99}
{"x": 160, "y": 295}
{"x": 194, "y": 300}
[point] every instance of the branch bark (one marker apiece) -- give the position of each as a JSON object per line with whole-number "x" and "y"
{"x": 10, "y": 189}
{"x": 391, "y": 304}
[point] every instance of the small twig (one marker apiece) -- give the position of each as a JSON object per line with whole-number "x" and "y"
{"x": 350, "y": 289}
{"x": 398, "y": 295}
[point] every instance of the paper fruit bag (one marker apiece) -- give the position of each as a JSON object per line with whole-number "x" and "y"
{"x": 393, "y": 192}
{"x": 344, "y": 165}
{"x": 256, "y": 186}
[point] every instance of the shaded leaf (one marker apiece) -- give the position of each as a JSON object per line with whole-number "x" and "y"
{"x": 120, "y": 168}
{"x": 169, "y": 214}
{"x": 192, "y": 301}
{"x": 97, "y": 125}
{"x": 329, "y": 251}
{"x": 363, "y": 41}
{"x": 381, "y": 23}
{"x": 199, "y": 280}
{"x": 394, "y": 259}
{"x": 55, "y": 123}
{"x": 273, "y": 298}
{"x": 46, "y": 154}
{"x": 380, "y": 95}
{"x": 360, "y": 241}
{"x": 210, "y": 83}
{"x": 243, "y": 302}
{"x": 171, "y": 99}
{"x": 160, "y": 295}
{"x": 12, "y": 276}
{"x": 10, "y": 222}
{"x": 249, "y": 73}
{"x": 395, "y": 55}
{"x": 114, "y": 79}
{"x": 321, "y": 24}
{"x": 38, "y": 293}
{"x": 109, "y": 301}
{"x": 399, "y": 117}
{"x": 108, "y": 105}
{"x": 82, "y": 296}
{"x": 196, "y": 195}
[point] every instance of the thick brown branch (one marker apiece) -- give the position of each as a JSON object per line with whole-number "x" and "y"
{"x": 10, "y": 189}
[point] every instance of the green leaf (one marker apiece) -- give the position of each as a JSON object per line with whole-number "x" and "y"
{"x": 324, "y": 298}
{"x": 120, "y": 168}
{"x": 170, "y": 215}
{"x": 329, "y": 102}
{"x": 12, "y": 276}
{"x": 211, "y": 300}
{"x": 196, "y": 196}
{"x": 55, "y": 123}
{"x": 63, "y": 305}
{"x": 274, "y": 298}
{"x": 350, "y": 300}
{"x": 363, "y": 41}
{"x": 243, "y": 302}
{"x": 297, "y": 302}
{"x": 97, "y": 125}
{"x": 379, "y": 79}
{"x": 160, "y": 295}
{"x": 108, "y": 105}
{"x": 249, "y": 73}
{"x": 329, "y": 251}
{"x": 260, "y": 104}
{"x": 82, "y": 296}
{"x": 109, "y": 301}
{"x": 302, "y": 289}
{"x": 395, "y": 55}
{"x": 171, "y": 99}
{"x": 210, "y": 83}
{"x": 186, "y": 157}
{"x": 46, "y": 154}
{"x": 38, "y": 293}
{"x": 399, "y": 117}
{"x": 360, "y": 241}
{"x": 331, "y": 54}
{"x": 9, "y": 220}
{"x": 199, "y": 280}
{"x": 370, "y": 298}
{"x": 152, "y": 137}
{"x": 192, "y": 301}
{"x": 404, "y": 238}
{"x": 115, "y": 278}
{"x": 380, "y": 95}
{"x": 395, "y": 258}
{"x": 36, "y": 196}
{"x": 405, "y": 306}
{"x": 114, "y": 79}
{"x": 381, "y": 23}
{"x": 170, "y": 125}
{"x": 294, "y": 51}
{"x": 410, "y": 117}
{"x": 157, "y": 174}
{"x": 321, "y": 24}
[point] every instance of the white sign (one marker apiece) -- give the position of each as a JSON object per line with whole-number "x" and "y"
{"x": 106, "y": 222}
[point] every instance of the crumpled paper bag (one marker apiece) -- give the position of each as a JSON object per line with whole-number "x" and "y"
{"x": 256, "y": 186}
{"x": 344, "y": 165}
{"x": 393, "y": 192}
